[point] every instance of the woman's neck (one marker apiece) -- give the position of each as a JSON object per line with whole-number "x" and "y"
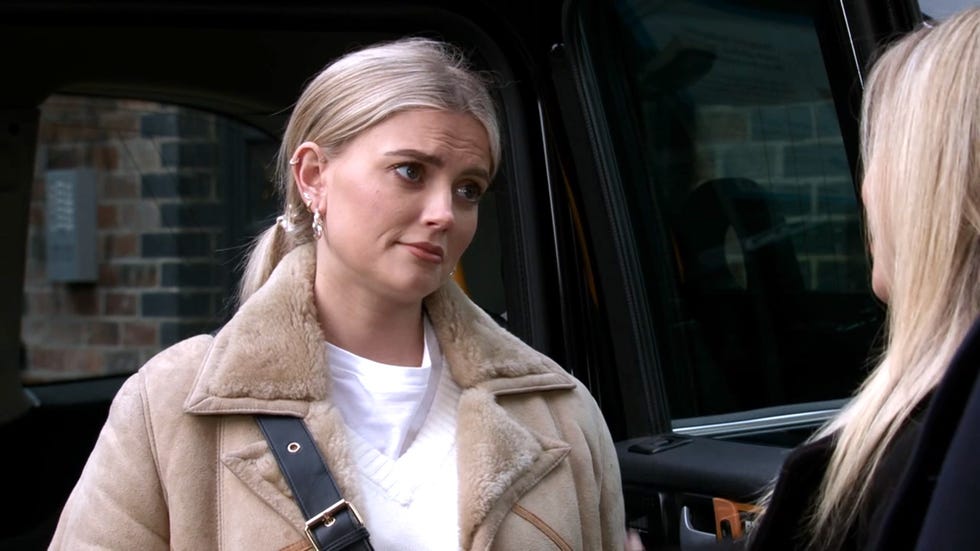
{"x": 381, "y": 330}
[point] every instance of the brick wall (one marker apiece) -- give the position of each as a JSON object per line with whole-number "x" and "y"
{"x": 160, "y": 219}
{"x": 795, "y": 153}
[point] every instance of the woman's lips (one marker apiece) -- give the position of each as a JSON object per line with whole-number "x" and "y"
{"x": 426, "y": 251}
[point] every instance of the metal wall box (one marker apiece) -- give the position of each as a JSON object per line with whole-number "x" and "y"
{"x": 70, "y": 222}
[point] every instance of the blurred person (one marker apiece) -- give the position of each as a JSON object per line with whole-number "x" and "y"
{"x": 865, "y": 480}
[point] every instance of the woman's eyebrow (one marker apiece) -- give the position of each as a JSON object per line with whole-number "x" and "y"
{"x": 417, "y": 155}
{"x": 435, "y": 161}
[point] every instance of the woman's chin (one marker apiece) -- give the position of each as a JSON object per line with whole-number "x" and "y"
{"x": 417, "y": 287}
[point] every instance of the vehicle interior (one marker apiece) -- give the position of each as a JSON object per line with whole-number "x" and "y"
{"x": 676, "y": 220}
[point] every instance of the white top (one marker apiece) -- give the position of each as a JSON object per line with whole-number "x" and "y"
{"x": 402, "y": 425}
{"x": 412, "y": 503}
{"x": 385, "y": 404}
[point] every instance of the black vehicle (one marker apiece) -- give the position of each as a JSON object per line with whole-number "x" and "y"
{"x": 676, "y": 221}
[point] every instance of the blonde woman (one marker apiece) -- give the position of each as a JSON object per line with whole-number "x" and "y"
{"x": 442, "y": 429}
{"x": 855, "y": 486}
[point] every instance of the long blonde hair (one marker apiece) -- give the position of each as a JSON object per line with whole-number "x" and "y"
{"x": 349, "y": 96}
{"x": 920, "y": 125}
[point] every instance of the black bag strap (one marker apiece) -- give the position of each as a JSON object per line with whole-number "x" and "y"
{"x": 332, "y": 522}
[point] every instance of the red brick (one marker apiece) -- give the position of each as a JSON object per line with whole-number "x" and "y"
{"x": 86, "y": 361}
{"x": 45, "y": 359}
{"x": 128, "y": 275}
{"x": 51, "y": 332}
{"x": 139, "y": 334}
{"x": 120, "y": 186}
{"x": 76, "y": 132}
{"x": 101, "y": 333}
{"x": 65, "y": 156}
{"x": 41, "y": 303}
{"x": 121, "y": 245}
{"x": 53, "y": 363}
{"x": 83, "y": 361}
{"x": 139, "y": 215}
{"x": 125, "y": 122}
{"x": 108, "y": 275}
{"x": 82, "y": 300}
{"x": 108, "y": 216}
{"x": 120, "y": 304}
{"x": 77, "y": 114}
{"x": 30, "y": 331}
{"x": 105, "y": 157}
{"x": 121, "y": 362}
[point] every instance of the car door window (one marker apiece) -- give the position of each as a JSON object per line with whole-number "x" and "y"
{"x": 727, "y": 135}
{"x": 138, "y": 213}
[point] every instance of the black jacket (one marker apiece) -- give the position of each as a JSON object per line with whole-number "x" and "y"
{"x": 925, "y": 492}
{"x": 936, "y": 504}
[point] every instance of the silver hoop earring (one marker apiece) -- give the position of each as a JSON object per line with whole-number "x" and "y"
{"x": 452, "y": 273}
{"x": 317, "y": 225}
{"x": 293, "y": 162}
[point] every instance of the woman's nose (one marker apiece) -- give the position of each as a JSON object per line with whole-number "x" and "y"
{"x": 438, "y": 211}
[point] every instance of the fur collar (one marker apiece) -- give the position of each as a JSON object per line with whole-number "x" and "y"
{"x": 269, "y": 357}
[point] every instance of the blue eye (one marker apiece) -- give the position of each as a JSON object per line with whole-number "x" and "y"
{"x": 470, "y": 192}
{"x": 409, "y": 171}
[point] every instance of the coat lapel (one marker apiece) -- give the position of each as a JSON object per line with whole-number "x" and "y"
{"x": 477, "y": 349}
{"x": 499, "y": 458}
{"x": 499, "y": 461}
{"x": 269, "y": 359}
{"x": 247, "y": 455}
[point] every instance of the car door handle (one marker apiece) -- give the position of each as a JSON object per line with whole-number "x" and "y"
{"x": 693, "y": 539}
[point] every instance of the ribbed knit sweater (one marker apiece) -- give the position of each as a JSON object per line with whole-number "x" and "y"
{"x": 402, "y": 426}
{"x": 410, "y": 503}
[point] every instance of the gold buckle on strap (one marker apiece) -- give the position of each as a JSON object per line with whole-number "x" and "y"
{"x": 328, "y": 516}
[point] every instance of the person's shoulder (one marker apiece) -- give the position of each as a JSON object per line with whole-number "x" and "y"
{"x": 166, "y": 378}
{"x": 573, "y": 401}
{"x": 183, "y": 356}
{"x": 158, "y": 389}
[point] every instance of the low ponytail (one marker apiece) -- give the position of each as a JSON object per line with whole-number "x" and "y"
{"x": 266, "y": 252}
{"x": 291, "y": 229}
{"x": 288, "y": 232}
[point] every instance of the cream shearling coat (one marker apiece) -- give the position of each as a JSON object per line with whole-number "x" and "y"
{"x": 182, "y": 464}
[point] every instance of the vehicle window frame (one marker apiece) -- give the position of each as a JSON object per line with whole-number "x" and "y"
{"x": 525, "y": 268}
{"x": 844, "y": 69}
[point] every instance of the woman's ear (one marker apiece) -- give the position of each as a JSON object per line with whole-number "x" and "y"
{"x": 307, "y": 165}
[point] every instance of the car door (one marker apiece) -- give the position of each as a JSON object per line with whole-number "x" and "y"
{"x": 715, "y": 324}
{"x": 714, "y": 147}
{"x": 138, "y": 149}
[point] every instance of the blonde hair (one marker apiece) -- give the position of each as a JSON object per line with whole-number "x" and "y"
{"x": 921, "y": 127}
{"x": 349, "y": 96}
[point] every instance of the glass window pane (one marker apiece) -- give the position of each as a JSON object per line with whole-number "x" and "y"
{"x": 138, "y": 214}
{"x": 741, "y": 169}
